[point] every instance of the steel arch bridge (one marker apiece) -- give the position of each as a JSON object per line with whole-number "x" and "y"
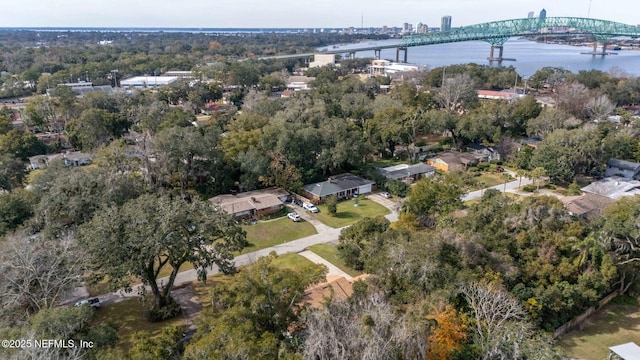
{"x": 498, "y": 32}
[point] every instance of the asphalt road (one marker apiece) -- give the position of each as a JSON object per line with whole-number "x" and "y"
{"x": 325, "y": 235}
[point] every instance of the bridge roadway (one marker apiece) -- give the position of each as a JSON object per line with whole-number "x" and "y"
{"x": 496, "y": 33}
{"x": 333, "y": 51}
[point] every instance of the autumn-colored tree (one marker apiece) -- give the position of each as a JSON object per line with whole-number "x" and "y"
{"x": 448, "y": 334}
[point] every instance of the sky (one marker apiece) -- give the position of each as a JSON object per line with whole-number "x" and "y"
{"x": 296, "y": 13}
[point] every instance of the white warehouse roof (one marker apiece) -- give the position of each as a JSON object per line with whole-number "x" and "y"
{"x": 148, "y": 81}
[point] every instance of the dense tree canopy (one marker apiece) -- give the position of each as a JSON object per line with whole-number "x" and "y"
{"x": 130, "y": 240}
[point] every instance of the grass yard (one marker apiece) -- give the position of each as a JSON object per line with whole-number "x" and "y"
{"x": 487, "y": 179}
{"x": 330, "y": 253}
{"x": 491, "y": 179}
{"x": 615, "y": 324}
{"x": 348, "y": 214}
{"x": 128, "y": 317}
{"x": 265, "y": 234}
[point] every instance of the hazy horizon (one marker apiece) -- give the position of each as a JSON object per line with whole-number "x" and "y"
{"x": 290, "y": 14}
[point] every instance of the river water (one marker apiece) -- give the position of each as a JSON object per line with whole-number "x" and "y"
{"x": 529, "y": 56}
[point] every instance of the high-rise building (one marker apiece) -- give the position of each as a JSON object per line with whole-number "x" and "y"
{"x": 445, "y": 23}
{"x": 543, "y": 14}
{"x": 531, "y": 15}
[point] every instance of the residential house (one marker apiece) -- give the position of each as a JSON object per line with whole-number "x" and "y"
{"x": 485, "y": 153}
{"x": 507, "y": 95}
{"x": 623, "y": 168}
{"x": 252, "y": 204}
{"x": 69, "y": 158}
{"x": 452, "y": 161}
{"x": 586, "y": 205}
{"x": 531, "y": 142}
{"x": 614, "y": 187}
{"x": 212, "y": 107}
{"x": 407, "y": 173}
{"x": 342, "y": 186}
{"x": 297, "y": 83}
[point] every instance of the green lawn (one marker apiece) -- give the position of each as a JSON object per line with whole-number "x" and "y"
{"x": 487, "y": 179}
{"x": 615, "y": 324}
{"x": 330, "y": 253}
{"x": 292, "y": 260}
{"x": 348, "y": 214}
{"x": 265, "y": 234}
{"x": 128, "y": 317}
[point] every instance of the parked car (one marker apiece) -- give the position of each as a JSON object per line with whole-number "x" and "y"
{"x": 95, "y": 302}
{"x": 310, "y": 207}
{"x": 385, "y": 194}
{"x": 293, "y": 216}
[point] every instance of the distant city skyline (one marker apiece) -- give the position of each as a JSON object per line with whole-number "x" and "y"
{"x": 291, "y": 14}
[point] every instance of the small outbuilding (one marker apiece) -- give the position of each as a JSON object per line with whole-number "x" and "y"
{"x": 628, "y": 351}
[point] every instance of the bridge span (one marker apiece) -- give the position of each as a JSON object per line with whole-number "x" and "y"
{"x": 497, "y": 33}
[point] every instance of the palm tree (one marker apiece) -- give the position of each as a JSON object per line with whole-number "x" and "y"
{"x": 506, "y": 177}
{"x": 536, "y": 174}
{"x": 521, "y": 173}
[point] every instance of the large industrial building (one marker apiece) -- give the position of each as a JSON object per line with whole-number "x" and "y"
{"x": 141, "y": 82}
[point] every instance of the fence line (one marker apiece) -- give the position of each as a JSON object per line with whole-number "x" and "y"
{"x": 579, "y": 320}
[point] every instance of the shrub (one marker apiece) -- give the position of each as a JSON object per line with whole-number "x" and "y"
{"x": 446, "y": 141}
{"x": 573, "y": 189}
{"x": 420, "y": 143}
{"x": 529, "y": 188}
{"x": 162, "y": 313}
{"x": 483, "y": 166}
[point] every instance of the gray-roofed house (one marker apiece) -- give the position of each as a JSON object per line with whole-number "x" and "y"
{"x": 485, "y": 153}
{"x": 252, "y": 204}
{"x": 623, "y": 168}
{"x": 70, "y": 158}
{"x": 342, "y": 186}
{"x": 407, "y": 173}
{"x": 614, "y": 187}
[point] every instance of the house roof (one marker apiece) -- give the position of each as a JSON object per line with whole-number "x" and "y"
{"x": 336, "y": 184}
{"x": 337, "y": 288}
{"x": 476, "y": 147}
{"x": 404, "y": 170}
{"x": 69, "y": 155}
{"x": 614, "y": 187}
{"x": 586, "y": 203}
{"x": 628, "y": 351}
{"x": 451, "y": 157}
{"x": 258, "y": 200}
{"x": 623, "y": 164}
